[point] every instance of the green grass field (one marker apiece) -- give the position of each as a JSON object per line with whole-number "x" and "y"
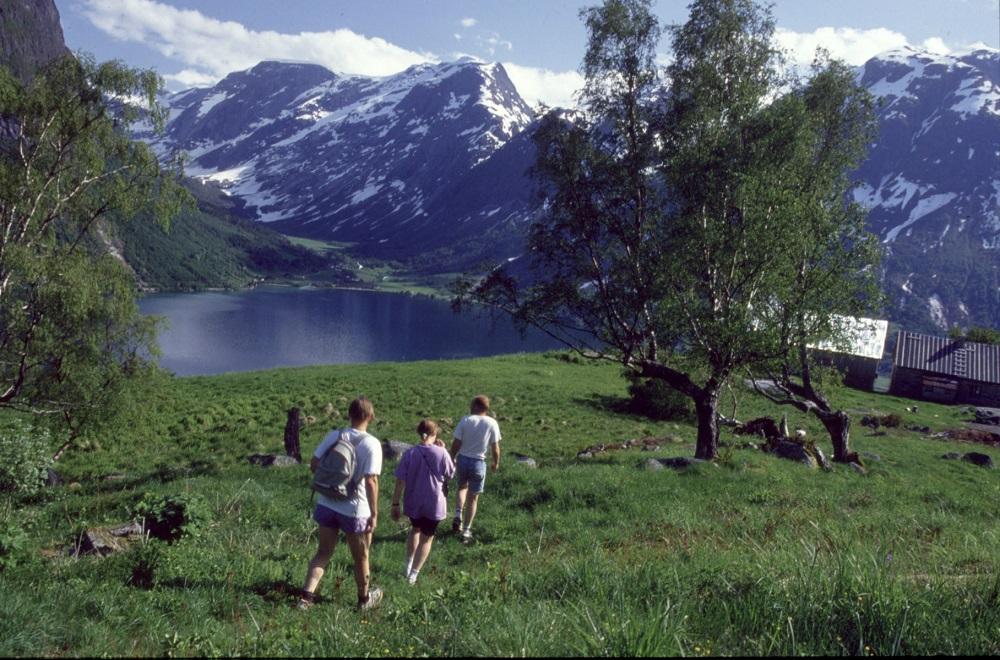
{"x": 754, "y": 555}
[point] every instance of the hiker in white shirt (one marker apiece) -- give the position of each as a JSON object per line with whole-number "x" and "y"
{"x": 475, "y": 435}
{"x": 356, "y": 516}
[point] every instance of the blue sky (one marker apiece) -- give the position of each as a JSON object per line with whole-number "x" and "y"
{"x": 196, "y": 42}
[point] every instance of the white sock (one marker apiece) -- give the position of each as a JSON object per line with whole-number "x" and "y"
{"x": 413, "y": 574}
{"x": 409, "y": 566}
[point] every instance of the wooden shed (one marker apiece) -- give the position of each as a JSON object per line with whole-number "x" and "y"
{"x": 857, "y": 353}
{"x": 946, "y": 370}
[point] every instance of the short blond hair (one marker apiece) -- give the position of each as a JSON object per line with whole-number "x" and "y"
{"x": 480, "y": 404}
{"x": 361, "y": 409}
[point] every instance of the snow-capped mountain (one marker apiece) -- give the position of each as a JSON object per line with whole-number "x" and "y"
{"x": 437, "y": 157}
{"x": 347, "y": 157}
{"x": 932, "y": 182}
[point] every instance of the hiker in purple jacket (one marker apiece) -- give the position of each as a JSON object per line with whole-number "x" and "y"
{"x": 422, "y": 473}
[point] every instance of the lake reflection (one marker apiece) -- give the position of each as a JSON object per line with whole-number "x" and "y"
{"x": 211, "y": 333}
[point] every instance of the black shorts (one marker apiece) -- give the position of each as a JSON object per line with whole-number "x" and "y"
{"x": 425, "y": 526}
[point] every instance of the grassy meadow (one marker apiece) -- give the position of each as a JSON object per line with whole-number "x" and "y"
{"x": 752, "y": 555}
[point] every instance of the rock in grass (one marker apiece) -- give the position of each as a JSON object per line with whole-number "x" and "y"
{"x": 857, "y": 467}
{"x": 52, "y": 478}
{"x": 676, "y": 463}
{"x": 99, "y": 542}
{"x": 875, "y": 458}
{"x": 272, "y": 460}
{"x": 393, "y": 450}
{"x": 793, "y": 451}
{"x": 982, "y": 460}
{"x": 821, "y": 458}
{"x": 951, "y": 456}
{"x": 525, "y": 461}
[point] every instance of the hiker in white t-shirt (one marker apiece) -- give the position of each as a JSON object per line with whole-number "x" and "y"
{"x": 356, "y": 516}
{"x": 475, "y": 435}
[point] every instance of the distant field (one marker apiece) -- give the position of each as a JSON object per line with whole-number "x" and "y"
{"x": 754, "y": 555}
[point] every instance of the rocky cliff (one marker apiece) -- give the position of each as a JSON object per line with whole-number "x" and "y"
{"x": 30, "y": 35}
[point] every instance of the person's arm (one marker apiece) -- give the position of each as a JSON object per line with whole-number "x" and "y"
{"x": 455, "y": 446}
{"x": 396, "y": 495}
{"x": 371, "y": 488}
{"x": 495, "y": 450}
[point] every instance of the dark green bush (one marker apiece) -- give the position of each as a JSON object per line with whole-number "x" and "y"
{"x": 25, "y": 456}
{"x": 655, "y": 399}
{"x": 13, "y": 541}
{"x": 169, "y": 517}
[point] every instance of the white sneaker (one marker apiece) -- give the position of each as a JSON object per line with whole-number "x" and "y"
{"x": 374, "y": 598}
{"x": 412, "y": 579}
{"x": 466, "y": 534}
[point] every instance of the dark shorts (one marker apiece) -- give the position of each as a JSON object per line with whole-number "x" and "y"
{"x": 425, "y": 526}
{"x": 329, "y": 518}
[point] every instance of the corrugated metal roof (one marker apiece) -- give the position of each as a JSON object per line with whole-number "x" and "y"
{"x": 941, "y": 355}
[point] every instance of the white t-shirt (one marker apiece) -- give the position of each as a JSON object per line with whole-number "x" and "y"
{"x": 477, "y": 433}
{"x": 368, "y": 455}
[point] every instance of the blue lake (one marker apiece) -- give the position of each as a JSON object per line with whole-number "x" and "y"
{"x": 267, "y": 327}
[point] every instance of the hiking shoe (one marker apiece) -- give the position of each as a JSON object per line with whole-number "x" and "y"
{"x": 374, "y": 598}
{"x": 412, "y": 579}
{"x": 306, "y": 601}
{"x": 466, "y": 535}
{"x": 456, "y": 524}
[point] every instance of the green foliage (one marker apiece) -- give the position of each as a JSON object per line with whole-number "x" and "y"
{"x": 25, "y": 456}
{"x": 13, "y": 543}
{"x": 71, "y": 339}
{"x": 146, "y": 559}
{"x": 657, "y": 400}
{"x": 976, "y": 334}
{"x": 169, "y": 517}
{"x": 735, "y": 172}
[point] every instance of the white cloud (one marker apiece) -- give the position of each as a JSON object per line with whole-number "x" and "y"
{"x": 468, "y": 22}
{"x": 212, "y": 48}
{"x": 554, "y": 88}
{"x": 936, "y": 45}
{"x": 851, "y": 45}
{"x": 191, "y": 78}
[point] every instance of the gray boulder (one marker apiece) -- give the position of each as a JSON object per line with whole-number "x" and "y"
{"x": 821, "y": 458}
{"x": 272, "y": 460}
{"x": 874, "y": 458}
{"x": 989, "y": 416}
{"x": 104, "y": 541}
{"x": 393, "y": 450}
{"x": 676, "y": 463}
{"x": 982, "y": 460}
{"x": 793, "y": 451}
{"x": 525, "y": 461}
{"x": 952, "y": 456}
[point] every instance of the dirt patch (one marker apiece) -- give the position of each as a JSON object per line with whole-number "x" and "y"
{"x": 973, "y": 435}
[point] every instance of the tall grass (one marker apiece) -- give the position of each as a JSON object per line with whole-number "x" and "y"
{"x": 756, "y": 556}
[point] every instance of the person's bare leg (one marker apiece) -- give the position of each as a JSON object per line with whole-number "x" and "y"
{"x": 317, "y": 566}
{"x": 470, "y": 510}
{"x": 460, "y": 498}
{"x": 411, "y": 548}
{"x": 423, "y": 551}
{"x": 358, "y": 543}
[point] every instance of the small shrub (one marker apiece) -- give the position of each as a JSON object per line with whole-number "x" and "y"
{"x": 655, "y": 399}
{"x": 24, "y": 458}
{"x": 892, "y": 421}
{"x": 13, "y": 541}
{"x": 146, "y": 559}
{"x": 169, "y": 517}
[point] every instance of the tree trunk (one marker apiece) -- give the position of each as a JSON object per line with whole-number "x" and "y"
{"x": 292, "y": 434}
{"x": 707, "y": 407}
{"x": 838, "y": 425}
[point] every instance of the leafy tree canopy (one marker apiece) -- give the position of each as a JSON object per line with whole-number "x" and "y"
{"x": 71, "y": 339}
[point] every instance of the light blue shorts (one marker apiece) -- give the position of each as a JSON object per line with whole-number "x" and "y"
{"x": 471, "y": 472}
